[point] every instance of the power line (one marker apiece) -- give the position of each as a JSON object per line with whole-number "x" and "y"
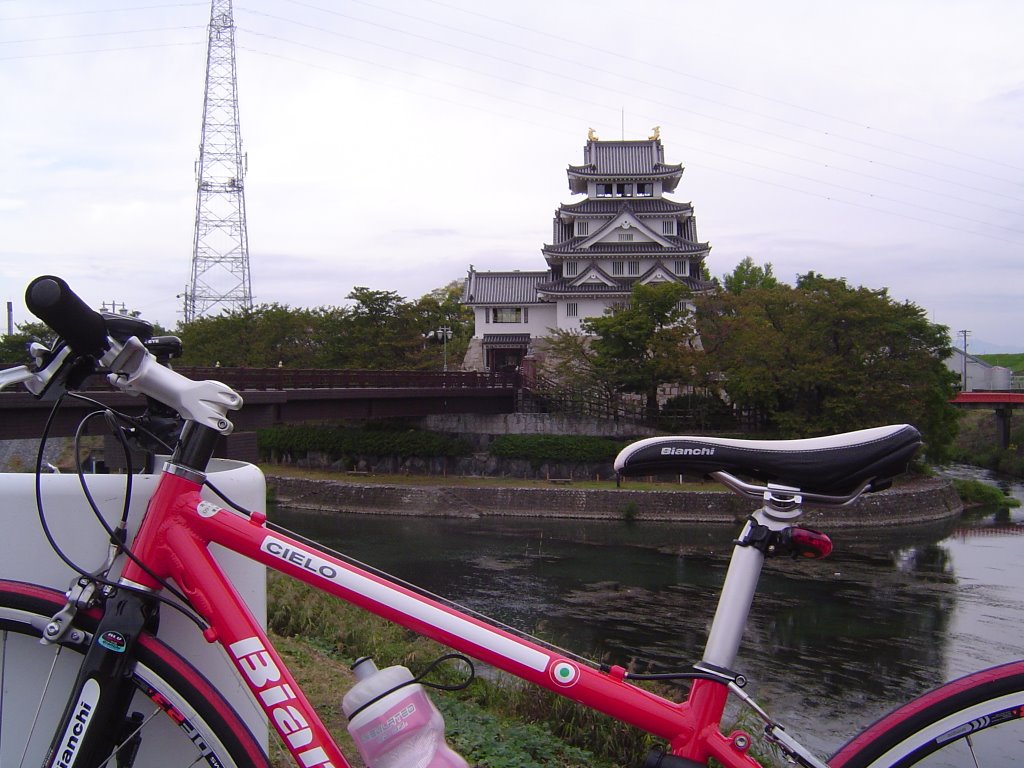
{"x": 97, "y": 11}
{"x": 810, "y": 110}
{"x": 97, "y": 34}
{"x": 700, "y": 152}
{"x": 607, "y": 89}
{"x": 868, "y": 193}
{"x": 98, "y": 50}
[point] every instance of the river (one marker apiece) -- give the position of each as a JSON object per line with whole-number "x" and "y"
{"x": 830, "y": 644}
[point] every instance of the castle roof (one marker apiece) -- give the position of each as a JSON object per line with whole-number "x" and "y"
{"x": 497, "y": 288}
{"x": 640, "y": 205}
{"x": 624, "y": 160}
{"x": 567, "y": 287}
{"x": 680, "y": 246}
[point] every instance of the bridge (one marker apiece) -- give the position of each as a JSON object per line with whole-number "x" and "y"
{"x": 1002, "y": 402}
{"x": 288, "y": 395}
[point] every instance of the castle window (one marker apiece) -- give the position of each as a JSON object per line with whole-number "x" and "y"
{"x": 572, "y": 309}
{"x": 582, "y": 227}
{"x": 634, "y": 268}
{"x": 625, "y": 237}
{"x": 645, "y": 190}
{"x": 668, "y": 227}
{"x": 623, "y": 190}
{"x": 618, "y": 267}
{"x": 507, "y": 314}
{"x": 571, "y": 267}
{"x": 681, "y": 267}
{"x": 605, "y": 190}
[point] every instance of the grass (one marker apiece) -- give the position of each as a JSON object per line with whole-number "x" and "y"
{"x": 487, "y": 722}
{"x": 496, "y": 722}
{"x": 976, "y": 492}
{"x": 282, "y": 470}
{"x": 1014, "y": 361}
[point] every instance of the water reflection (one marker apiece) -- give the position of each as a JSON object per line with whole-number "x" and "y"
{"x": 830, "y": 644}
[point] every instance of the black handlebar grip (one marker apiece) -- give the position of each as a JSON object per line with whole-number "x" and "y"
{"x": 83, "y": 328}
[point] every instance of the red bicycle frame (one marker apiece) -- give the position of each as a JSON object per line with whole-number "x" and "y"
{"x": 174, "y": 540}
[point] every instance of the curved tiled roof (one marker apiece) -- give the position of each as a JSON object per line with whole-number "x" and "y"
{"x": 624, "y": 158}
{"x": 679, "y": 246}
{"x": 564, "y": 287}
{"x": 639, "y": 206}
{"x": 502, "y": 287}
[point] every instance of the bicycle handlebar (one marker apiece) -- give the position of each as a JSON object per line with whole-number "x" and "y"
{"x": 132, "y": 368}
{"x": 83, "y": 329}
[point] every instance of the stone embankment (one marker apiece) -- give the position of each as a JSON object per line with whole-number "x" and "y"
{"x": 917, "y": 501}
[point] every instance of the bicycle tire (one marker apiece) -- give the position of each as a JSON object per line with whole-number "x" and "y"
{"x": 979, "y": 716}
{"x": 186, "y": 717}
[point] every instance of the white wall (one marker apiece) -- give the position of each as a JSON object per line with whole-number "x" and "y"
{"x": 540, "y": 318}
{"x": 980, "y": 376}
{"x": 586, "y": 308}
{"x": 25, "y": 555}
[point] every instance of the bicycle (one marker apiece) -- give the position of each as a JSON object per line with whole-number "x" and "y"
{"x": 112, "y": 680}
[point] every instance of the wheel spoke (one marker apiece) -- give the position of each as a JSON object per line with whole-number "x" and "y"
{"x": 182, "y": 716}
{"x": 970, "y": 746}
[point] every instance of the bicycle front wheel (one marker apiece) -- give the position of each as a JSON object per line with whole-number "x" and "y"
{"x": 973, "y": 721}
{"x": 182, "y": 720}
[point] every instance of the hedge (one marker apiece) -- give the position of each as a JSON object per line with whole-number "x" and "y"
{"x": 348, "y": 441}
{"x": 540, "y": 448}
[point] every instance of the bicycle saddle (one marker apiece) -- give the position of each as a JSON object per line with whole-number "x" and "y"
{"x": 833, "y": 465}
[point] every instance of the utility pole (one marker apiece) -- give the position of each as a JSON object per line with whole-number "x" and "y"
{"x": 964, "y": 334}
{"x": 220, "y": 253}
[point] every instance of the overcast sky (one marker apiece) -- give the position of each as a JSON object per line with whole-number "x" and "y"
{"x": 393, "y": 144}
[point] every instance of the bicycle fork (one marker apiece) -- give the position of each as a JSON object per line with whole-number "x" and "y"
{"x": 96, "y": 727}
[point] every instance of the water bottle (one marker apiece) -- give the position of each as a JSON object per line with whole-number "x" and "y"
{"x": 393, "y": 722}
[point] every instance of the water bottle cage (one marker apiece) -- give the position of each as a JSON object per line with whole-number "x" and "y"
{"x": 420, "y": 679}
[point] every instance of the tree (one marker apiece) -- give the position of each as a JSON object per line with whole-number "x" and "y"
{"x": 378, "y": 330}
{"x": 634, "y": 348}
{"x": 14, "y": 346}
{"x": 438, "y": 309}
{"x": 260, "y": 337}
{"x": 749, "y": 275}
{"x": 824, "y": 357}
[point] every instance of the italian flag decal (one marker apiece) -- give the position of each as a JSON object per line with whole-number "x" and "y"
{"x": 564, "y": 673}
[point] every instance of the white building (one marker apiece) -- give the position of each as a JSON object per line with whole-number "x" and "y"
{"x": 625, "y": 231}
{"x": 979, "y": 375}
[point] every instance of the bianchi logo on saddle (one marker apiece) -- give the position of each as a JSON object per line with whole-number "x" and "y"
{"x": 670, "y": 451}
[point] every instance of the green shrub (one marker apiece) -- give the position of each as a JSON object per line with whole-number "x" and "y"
{"x": 373, "y": 440}
{"x": 538, "y": 449}
{"x": 977, "y": 492}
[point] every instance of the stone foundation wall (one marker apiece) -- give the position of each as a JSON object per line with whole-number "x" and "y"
{"x": 918, "y": 501}
{"x": 533, "y": 424}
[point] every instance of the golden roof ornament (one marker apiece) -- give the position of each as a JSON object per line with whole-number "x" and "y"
{"x": 655, "y": 133}
{"x": 591, "y": 135}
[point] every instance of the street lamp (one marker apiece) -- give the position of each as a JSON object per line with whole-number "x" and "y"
{"x": 443, "y": 333}
{"x": 446, "y": 333}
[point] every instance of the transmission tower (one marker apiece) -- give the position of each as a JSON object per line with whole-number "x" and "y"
{"x": 220, "y": 254}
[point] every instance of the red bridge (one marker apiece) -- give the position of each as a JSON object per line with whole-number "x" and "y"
{"x": 1001, "y": 402}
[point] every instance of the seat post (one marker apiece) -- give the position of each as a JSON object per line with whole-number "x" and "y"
{"x": 737, "y": 595}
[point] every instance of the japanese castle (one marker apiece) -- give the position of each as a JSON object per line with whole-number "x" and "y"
{"x": 625, "y": 231}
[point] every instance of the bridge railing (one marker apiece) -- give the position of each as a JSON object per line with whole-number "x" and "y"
{"x": 312, "y": 378}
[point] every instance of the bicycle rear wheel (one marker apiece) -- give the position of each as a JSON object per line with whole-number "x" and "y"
{"x": 977, "y": 720}
{"x": 184, "y": 720}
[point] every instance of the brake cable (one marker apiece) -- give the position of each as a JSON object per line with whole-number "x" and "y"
{"x": 115, "y": 539}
